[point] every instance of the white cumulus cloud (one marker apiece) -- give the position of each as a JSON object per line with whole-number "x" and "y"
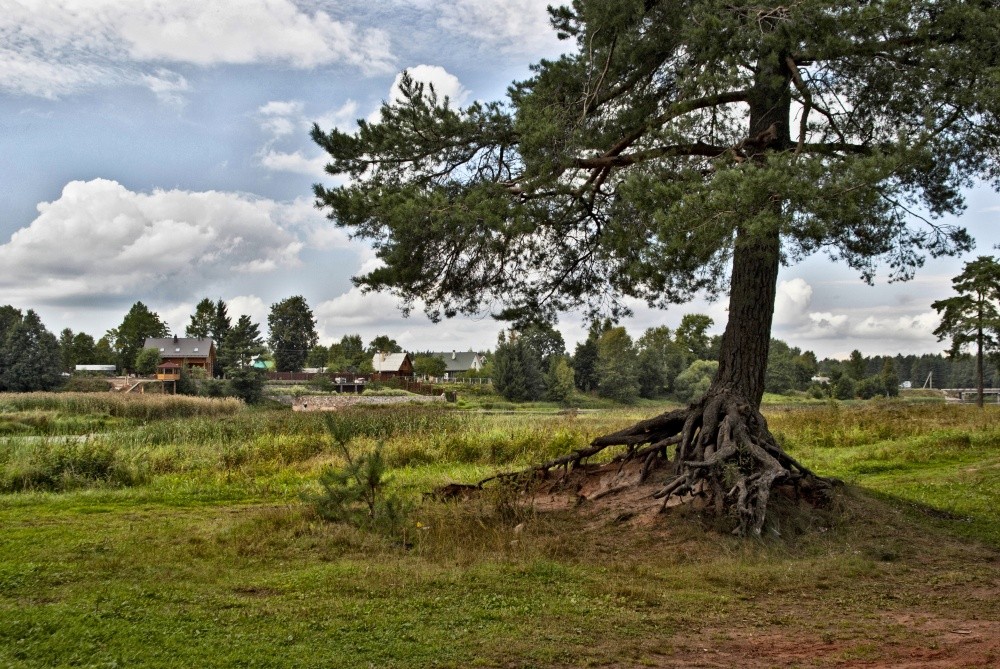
{"x": 869, "y": 328}
{"x": 791, "y": 301}
{"x": 445, "y": 84}
{"x": 99, "y": 240}
{"x": 296, "y": 162}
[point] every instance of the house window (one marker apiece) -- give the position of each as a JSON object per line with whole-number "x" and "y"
{"x": 196, "y": 349}
{"x": 177, "y": 350}
{"x": 161, "y": 349}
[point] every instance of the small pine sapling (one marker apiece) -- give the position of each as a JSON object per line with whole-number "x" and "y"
{"x": 356, "y": 493}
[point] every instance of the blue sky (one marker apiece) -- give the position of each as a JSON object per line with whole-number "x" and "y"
{"x": 159, "y": 151}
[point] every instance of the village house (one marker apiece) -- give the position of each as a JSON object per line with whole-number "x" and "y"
{"x": 178, "y": 352}
{"x": 459, "y": 362}
{"x": 392, "y": 364}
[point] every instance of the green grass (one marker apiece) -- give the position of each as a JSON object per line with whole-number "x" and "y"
{"x": 181, "y": 540}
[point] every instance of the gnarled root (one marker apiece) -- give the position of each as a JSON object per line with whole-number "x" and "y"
{"x": 724, "y": 454}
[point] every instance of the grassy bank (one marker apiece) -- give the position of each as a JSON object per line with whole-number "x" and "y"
{"x": 190, "y": 546}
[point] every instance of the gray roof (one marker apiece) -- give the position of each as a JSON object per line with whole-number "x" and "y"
{"x": 460, "y": 361}
{"x": 180, "y": 347}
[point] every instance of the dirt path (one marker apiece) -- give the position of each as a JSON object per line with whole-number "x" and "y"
{"x": 944, "y": 643}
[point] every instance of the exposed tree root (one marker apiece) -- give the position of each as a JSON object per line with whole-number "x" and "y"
{"x": 725, "y": 456}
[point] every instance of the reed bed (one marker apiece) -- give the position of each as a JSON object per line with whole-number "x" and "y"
{"x": 142, "y": 407}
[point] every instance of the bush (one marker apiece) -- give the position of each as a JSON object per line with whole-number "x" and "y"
{"x": 386, "y": 392}
{"x": 819, "y": 392}
{"x": 322, "y": 383}
{"x": 870, "y": 387}
{"x": 246, "y": 384}
{"x": 694, "y": 381}
{"x": 146, "y": 361}
{"x": 844, "y": 389}
{"x": 212, "y": 388}
{"x": 86, "y": 383}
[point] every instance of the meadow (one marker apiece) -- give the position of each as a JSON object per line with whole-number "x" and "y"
{"x": 170, "y": 531}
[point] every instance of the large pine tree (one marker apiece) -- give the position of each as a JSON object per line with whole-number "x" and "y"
{"x": 677, "y": 140}
{"x": 972, "y": 318}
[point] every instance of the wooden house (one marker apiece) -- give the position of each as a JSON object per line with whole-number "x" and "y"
{"x": 392, "y": 364}
{"x": 185, "y": 352}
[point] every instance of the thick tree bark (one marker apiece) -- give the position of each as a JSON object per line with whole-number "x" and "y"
{"x": 745, "y": 343}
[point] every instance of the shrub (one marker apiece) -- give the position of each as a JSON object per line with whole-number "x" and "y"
{"x": 246, "y": 384}
{"x": 694, "y": 381}
{"x": 844, "y": 389}
{"x": 870, "y": 387}
{"x": 146, "y": 361}
{"x": 386, "y": 392}
{"x": 86, "y": 383}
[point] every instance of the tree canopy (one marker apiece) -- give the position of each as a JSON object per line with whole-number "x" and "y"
{"x": 138, "y": 325}
{"x": 293, "y": 333}
{"x": 630, "y": 166}
{"x": 383, "y": 344}
{"x": 29, "y": 354}
{"x": 429, "y": 365}
{"x": 348, "y": 355}
{"x": 201, "y": 320}
{"x": 243, "y": 345}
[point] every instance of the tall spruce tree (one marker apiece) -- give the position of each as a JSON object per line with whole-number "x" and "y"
{"x": 221, "y": 325}
{"x": 585, "y": 356}
{"x": 517, "y": 371}
{"x": 679, "y": 139}
{"x": 243, "y": 345}
{"x": 67, "y": 354}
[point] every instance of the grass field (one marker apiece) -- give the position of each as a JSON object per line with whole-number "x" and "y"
{"x": 166, "y": 532}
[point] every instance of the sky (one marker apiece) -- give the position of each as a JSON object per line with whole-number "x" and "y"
{"x": 159, "y": 151}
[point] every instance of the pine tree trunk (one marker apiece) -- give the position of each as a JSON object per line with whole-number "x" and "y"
{"x": 745, "y": 343}
{"x": 979, "y": 363}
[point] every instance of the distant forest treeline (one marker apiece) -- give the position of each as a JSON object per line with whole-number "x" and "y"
{"x": 959, "y": 372}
